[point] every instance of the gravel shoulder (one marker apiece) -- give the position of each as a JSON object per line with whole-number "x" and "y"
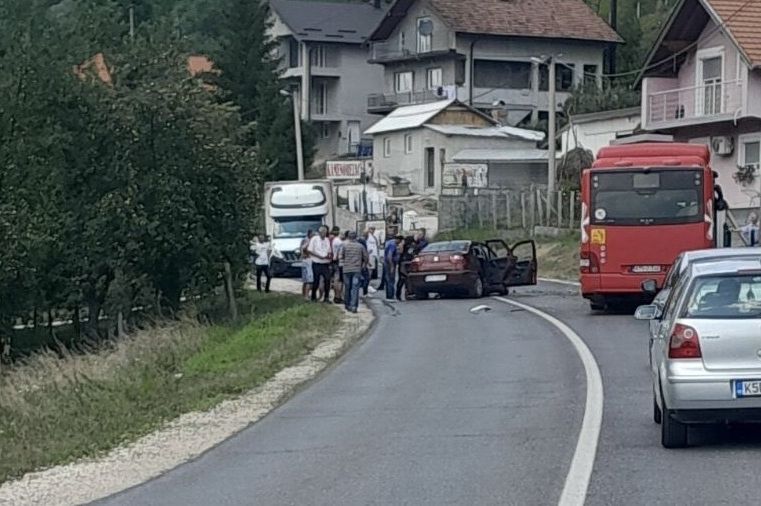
{"x": 186, "y": 437}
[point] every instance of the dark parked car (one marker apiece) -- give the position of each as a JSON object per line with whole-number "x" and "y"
{"x": 471, "y": 268}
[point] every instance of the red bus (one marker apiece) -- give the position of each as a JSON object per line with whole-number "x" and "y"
{"x": 642, "y": 205}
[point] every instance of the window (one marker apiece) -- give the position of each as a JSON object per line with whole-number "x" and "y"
{"x": 728, "y": 297}
{"x": 324, "y": 131}
{"x": 514, "y": 75}
{"x": 294, "y": 52}
{"x": 402, "y": 42}
{"x": 459, "y": 72}
{"x": 710, "y": 77}
{"x": 408, "y": 143}
{"x": 424, "y": 35}
{"x": 434, "y": 78}
{"x": 563, "y": 77}
{"x": 750, "y": 151}
{"x": 590, "y": 75}
{"x": 320, "y": 98}
{"x": 386, "y": 147}
{"x": 430, "y": 167}
{"x": 403, "y": 82}
{"x": 319, "y": 56}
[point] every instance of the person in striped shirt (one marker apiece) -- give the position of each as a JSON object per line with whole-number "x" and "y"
{"x": 354, "y": 259}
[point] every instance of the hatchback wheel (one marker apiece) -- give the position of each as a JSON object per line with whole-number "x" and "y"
{"x": 477, "y": 290}
{"x": 673, "y": 432}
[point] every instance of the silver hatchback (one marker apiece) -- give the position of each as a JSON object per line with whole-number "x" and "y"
{"x": 706, "y": 354}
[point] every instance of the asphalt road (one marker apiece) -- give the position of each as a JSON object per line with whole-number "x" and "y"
{"x": 442, "y": 406}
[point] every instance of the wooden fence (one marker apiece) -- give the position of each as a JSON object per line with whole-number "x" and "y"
{"x": 507, "y": 209}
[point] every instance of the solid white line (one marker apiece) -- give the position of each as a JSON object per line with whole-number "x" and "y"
{"x": 560, "y": 281}
{"x": 577, "y": 481}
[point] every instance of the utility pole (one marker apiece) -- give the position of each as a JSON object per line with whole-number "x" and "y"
{"x": 551, "y": 175}
{"x": 297, "y": 130}
{"x": 132, "y": 22}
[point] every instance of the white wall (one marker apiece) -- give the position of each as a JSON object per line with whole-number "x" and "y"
{"x": 597, "y": 134}
{"x": 411, "y": 166}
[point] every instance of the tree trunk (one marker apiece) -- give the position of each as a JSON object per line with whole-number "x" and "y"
{"x": 120, "y": 331}
{"x": 159, "y": 311}
{"x": 230, "y": 290}
{"x": 77, "y": 324}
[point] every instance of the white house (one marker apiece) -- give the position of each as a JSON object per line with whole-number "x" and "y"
{"x": 598, "y": 129}
{"x": 702, "y": 84}
{"x": 418, "y": 143}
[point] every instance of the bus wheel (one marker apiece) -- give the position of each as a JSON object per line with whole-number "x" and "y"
{"x": 597, "y": 305}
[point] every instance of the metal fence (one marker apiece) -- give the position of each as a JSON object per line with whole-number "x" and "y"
{"x": 509, "y": 209}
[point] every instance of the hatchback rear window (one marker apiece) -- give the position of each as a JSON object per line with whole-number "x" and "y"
{"x": 438, "y": 247}
{"x": 737, "y": 296}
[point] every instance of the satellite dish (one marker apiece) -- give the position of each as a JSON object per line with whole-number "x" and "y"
{"x": 425, "y": 27}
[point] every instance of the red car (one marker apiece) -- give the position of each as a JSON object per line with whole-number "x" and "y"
{"x": 471, "y": 268}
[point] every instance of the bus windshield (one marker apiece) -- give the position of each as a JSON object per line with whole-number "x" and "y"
{"x": 296, "y": 227}
{"x": 647, "y": 197}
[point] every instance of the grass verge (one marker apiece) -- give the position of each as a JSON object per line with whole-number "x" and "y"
{"x": 54, "y": 410}
{"x": 557, "y": 257}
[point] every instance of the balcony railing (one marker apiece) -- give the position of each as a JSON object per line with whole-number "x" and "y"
{"x": 692, "y": 104}
{"x": 377, "y": 101}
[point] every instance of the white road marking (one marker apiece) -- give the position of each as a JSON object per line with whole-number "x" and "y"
{"x": 577, "y": 481}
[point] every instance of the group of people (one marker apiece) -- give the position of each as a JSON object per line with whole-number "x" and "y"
{"x": 344, "y": 263}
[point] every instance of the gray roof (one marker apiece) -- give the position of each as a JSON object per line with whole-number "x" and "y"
{"x": 343, "y": 22}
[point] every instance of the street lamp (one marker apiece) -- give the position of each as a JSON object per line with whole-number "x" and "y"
{"x": 297, "y": 130}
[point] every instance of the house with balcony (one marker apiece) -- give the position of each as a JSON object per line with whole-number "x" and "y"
{"x": 702, "y": 84}
{"x": 489, "y": 54}
{"x": 321, "y": 46}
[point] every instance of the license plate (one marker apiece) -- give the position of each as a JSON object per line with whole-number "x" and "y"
{"x": 435, "y": 278}
{"x": 747, "y": 388}
{"x": 297, "y": 264}
{"x": 646, "y": 268}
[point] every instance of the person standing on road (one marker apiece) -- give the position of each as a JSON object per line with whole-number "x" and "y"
{"x": 263, "y": 251}
{"x": 335, "y": 267}
{"x": 390, "y": 263}
{"x": 421, "y": 241}
{"x": 354, "y": 260}
{"x": 749, "y": 232}
{"x": 320, "y": 253}
{"x": 406, "y": 255}
{"x": 306, "y": 266}
{"x": 366, "y": 269}
{"x": 373, "y": 250}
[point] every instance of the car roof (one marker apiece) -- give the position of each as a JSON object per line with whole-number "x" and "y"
{"x": 702, "y": 255}
{"x": 728, "y": 266}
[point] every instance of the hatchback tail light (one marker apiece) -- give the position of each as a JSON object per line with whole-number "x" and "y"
{"x": 684, "y": 342}
{"x": 588, "y": 263}
{"x": 456, "y": 258}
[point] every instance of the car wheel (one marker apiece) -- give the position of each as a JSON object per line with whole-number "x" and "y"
{"x": 504, "y": 290}
{"x": 477, "y": 290}
{"x": 657, "y": 413}
{"x": 597, "y": 306}
{"x": 421, "y": 295}
{"x": 673, "y": 432}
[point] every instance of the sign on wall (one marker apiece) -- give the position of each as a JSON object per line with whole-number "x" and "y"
{"x": 472, "y": 175}
{"x": 348, "y": 169}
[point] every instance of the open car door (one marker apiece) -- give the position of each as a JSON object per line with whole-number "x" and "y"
{"x": 499, "y": 263}
{"x": 524, "y": 269}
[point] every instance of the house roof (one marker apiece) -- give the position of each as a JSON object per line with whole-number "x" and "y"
{"x": 415, "y": 116}
{"x": 502, "y": 155}
{"x": 505, "y": 132}
{"x": 591, "y": 117}
{"x": 739, "y": 19}
{"x": 557, "y": 19}
{"x": 343, "y": 22}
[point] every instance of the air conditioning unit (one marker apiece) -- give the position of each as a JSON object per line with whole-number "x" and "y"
{"x": 723, "y": 146}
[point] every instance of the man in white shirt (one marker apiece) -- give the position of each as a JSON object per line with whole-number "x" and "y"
{"x": 373, "y": 251}
{"x": 263, "y": 251}
{"x": 749, "y": 232}
{"x": 320, "y": 253}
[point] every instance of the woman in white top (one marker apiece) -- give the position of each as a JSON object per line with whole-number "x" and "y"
{"x": 263, "y": 251}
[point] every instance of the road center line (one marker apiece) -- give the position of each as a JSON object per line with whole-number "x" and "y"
{"x": 577, "y": 481}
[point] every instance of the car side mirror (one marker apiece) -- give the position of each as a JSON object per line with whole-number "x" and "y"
{"x": 648, "y": 312}
{"x": 650, "y": 286}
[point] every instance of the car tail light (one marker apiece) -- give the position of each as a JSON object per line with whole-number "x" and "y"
{"x": 684, "y": 342}
{"x": 457, "y": 260}
{"x": 588, "y": 263}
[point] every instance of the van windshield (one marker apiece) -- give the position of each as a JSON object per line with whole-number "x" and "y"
{"x": 647, "y": 197}
{"x": 296, "y": 227}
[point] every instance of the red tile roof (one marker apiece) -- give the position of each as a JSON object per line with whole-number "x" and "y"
{"x": 560, "y": 19}
{"x": 743, "y": 19}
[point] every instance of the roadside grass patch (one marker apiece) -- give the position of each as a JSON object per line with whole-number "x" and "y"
{"x": 55, "y": 410}
{"x": 558, "y": 257}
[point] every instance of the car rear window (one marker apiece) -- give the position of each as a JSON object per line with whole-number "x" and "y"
{"x": 735, "y": 296}
{"x": 438, "y": 247}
